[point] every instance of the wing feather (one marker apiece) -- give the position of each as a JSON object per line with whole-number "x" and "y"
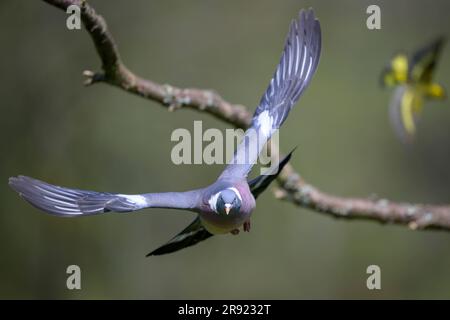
{"x": 294, "y": 72}
{"x": 260, "y": 183}
{"x": 73, "y": 202}
{"x": 191, "y": 235}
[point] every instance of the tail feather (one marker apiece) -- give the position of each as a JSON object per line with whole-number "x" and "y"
{"x": 71, "y": 202}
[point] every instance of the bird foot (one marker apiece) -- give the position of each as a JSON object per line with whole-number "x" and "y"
{"x": 247, "y": 226}
{"x": 234, "y": 232}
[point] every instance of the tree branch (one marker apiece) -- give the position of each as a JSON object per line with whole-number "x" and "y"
{"x": 292, "y": 187}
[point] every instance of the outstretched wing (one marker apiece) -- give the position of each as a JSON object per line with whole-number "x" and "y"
{"x": 293, "y": 74}
{"x": 424, "y": 61}
{"x": 260, "y": 183}
{"x": 191, "y": 235}
{"x": 404, "y": 111}
{"x": 73, "y": 202}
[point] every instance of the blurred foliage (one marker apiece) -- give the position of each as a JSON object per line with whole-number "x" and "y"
{"x": 101, "y": 138}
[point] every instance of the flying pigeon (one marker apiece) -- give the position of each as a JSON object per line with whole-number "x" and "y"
{"x": 226, "y": 205}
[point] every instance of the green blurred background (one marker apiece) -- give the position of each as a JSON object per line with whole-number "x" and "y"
{"x": 101, "y": 138}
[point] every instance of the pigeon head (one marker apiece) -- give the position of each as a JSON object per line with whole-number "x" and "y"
{"x": 228, "y": 201}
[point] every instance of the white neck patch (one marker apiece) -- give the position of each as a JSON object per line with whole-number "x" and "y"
{"x": 236, "y": 191}
{"x": 212, "y": 201}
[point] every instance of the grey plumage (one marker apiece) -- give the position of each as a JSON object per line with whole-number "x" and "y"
{"x": 72, "y": 202}
{"x": 64, "y": 201}
{"x": 297, "y": 65}
{"x": 196, "y": 232}
{"x": 227, "y": 204}
{"x": 294, "y": 72}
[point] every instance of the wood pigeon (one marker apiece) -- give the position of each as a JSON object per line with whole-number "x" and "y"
{"x": 225, "y": 205}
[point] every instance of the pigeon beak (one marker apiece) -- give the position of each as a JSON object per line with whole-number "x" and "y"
{"x": 227, "y": 208}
